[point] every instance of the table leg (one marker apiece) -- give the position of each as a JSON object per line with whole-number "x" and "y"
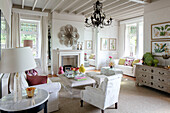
{"x": 45, "y": 108}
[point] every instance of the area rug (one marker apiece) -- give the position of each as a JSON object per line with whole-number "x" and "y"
{"x": 132, "y": 99}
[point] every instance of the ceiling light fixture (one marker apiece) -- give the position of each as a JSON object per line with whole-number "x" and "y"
{"x": 98, "y": 17}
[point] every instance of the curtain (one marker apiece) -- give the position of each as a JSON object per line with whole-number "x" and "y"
{"x": 44, "y": 44}
{"x": 15, "y": 30}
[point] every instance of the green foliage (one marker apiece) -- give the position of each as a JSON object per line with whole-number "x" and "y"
{"x": 149, "y": 60}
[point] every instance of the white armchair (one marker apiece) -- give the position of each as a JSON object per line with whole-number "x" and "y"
{"x": 106, "y": 95}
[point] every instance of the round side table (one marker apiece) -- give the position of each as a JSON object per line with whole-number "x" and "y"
{"x": 26, "y": 105}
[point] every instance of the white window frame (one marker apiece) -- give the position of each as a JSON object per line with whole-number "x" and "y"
{"x": 38, "y": 39}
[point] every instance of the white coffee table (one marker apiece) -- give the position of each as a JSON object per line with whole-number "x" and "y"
{"x": 70, "y": 83}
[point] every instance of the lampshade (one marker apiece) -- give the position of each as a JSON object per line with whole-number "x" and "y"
{"x": 16, "y": 60}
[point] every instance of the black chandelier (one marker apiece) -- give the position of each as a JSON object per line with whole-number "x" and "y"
{"x": 98, "y": 17}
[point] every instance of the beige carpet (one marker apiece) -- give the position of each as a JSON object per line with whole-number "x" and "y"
{"x": 132, "y": 99}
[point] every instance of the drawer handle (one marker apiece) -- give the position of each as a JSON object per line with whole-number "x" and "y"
{"x": 144, "y": 69}
{"x": 152, "y": 70}
{"x": 151, "y": 77}
{"x": 161, "y": 73}
{"x": 144, "y": 75}
{"x": 160, "y": 86}
{"x": 161, "y": 80}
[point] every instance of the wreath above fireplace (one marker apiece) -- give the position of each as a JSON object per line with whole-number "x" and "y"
{"x": 68, "y": 35}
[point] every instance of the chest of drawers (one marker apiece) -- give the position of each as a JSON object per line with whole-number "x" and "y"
{"x": 155, "y": 77}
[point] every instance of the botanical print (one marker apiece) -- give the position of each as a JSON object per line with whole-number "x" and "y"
{"x": 112, "y": 44}
{"x": 161, "y": 48}
{"x": 88, "y": 44}
{"x": 104, "y": 44}
{"x": 161, "y": 31}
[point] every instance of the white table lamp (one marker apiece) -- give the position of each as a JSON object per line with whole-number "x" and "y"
{"x": 16, "y": 60}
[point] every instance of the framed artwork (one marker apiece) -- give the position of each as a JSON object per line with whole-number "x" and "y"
{"x": 112, "y": 44}
{"x": 89, "y": 44}
{"x": 104, "y": 44}
{"x": 160, "y": 31}
{"x": 159, "y": 48}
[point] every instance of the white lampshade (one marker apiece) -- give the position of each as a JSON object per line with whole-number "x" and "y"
{"x": 16, "y": 60}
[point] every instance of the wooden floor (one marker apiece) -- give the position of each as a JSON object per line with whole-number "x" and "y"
{"x": 124, "y": 76}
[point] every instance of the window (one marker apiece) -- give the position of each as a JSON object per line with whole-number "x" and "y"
{"x": 134, "y": 40}
{"x": 30, "y": 31}
{"x": 3, "y": 33}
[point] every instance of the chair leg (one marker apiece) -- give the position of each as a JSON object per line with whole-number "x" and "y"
{"x": 116, "y": 105}
{"x": 102, "y": 111}
{"x": 81, "y": 102}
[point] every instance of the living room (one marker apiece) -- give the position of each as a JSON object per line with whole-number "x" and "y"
{"x": 131, "y": 43}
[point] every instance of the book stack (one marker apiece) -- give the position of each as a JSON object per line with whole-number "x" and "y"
{"x": 80, "y": 78}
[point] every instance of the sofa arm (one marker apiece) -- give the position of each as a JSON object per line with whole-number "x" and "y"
{"x": 116, "y": 61}
{"x": 50, "y": 87}
{"x": 93, "y": 90}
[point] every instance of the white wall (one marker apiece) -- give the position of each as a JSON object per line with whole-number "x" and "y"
{"x": 59, "y": 20}
{"x": 156, "y": 12}
{"x": 107, "y": 32}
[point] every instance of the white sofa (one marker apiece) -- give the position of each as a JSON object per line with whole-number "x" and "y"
{"x": 127, "y": 70}
{"x": 52, "y": 88}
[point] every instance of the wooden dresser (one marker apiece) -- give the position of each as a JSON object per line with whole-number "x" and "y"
{"x": 155, "y": 77}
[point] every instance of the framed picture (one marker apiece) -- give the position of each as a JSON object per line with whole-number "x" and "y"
{"x": 104, "y": 44}
{"x": 160, "y": 31}
{"x": 89, "y": 44}
{"x": 112, "y": 44}
{"x": 159, "y": 48}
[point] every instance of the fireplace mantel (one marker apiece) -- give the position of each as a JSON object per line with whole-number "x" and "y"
{"x": 57, "y": 56}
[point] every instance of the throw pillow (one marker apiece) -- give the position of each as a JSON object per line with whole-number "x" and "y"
{"x": 128, "y": 62}
{"x": 135, "y": 61}
{"x": 122, "y": 61}
{"x": 36, "y": 80}
{"x": 91, "y": 56}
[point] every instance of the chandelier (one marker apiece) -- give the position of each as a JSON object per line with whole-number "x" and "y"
{"x": 98, "y": 17}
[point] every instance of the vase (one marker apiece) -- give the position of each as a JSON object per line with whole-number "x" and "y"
{"x": 111, "y": 67}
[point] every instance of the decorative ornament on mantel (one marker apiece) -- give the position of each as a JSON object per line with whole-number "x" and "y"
{"x": 98, "y": 17}
{"x": 68, "y": 35}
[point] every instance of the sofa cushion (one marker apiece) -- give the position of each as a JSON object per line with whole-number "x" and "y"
{"x": 128, "y": 62}
{"x": 135, "y": 61}
{"x": 36, "y": 80}
{"x": 121, "y": 61}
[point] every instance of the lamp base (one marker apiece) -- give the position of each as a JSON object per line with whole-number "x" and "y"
{"x": 17, "y": 88}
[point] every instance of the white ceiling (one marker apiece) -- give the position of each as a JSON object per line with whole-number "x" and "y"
{"x": 117, "y": 9}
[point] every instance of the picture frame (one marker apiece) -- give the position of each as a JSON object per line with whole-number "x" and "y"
{"x": 112, "y": 44}
{"x": 159, "y": 48}
{"x": 160, "y": 31}
{"x": 104, "y": 45}
{"x": 89, "y": 45}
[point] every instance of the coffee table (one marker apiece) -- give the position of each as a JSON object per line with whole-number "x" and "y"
{"x": 28, "y": 105}
{"x": 70, "y": 83}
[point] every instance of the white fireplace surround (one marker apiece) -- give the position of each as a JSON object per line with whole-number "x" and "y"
{"x": 57, "y": 58}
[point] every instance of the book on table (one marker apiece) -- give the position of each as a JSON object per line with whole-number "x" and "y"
{"x": 80, "y": 78}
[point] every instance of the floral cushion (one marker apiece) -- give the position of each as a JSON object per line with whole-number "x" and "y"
{"x": 128, "y": 62}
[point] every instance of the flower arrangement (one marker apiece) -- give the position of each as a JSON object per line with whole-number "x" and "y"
{"x": 85, "y": 57}
{"x": 75, "y": 70}
{"x": 110, "y": 57}
{"x": 85, "y": 53}
{"x": 111, "y": 63}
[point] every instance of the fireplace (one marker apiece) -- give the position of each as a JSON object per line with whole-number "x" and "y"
{"x": 66, "y": 58}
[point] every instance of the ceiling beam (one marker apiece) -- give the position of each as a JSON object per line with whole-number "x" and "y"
{"x": 130, "y": 13}
{"x": 46, "y": 4}
{"x": 80, "y": 6}
{"x": 122, "y": 8}
{"x": 35, "y": 2}
{"x": 68, "y": 6}
{"x": 127, "y": 11}
{"x": 142, "y": 1}
{"x": 22, "y": 4}
{"x": 103, "y": 6}
{"x": 57, "y": 6}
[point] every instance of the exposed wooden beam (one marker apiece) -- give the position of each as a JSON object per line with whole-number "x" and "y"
{"x": 113, "y": 2}
{"x": 57, "y": 5}
{"x": 122, "y": 8}
{"x": 80, "y": 6}
{"x": 68, "y": 6}
{"x": 127, "y": 11}
{"x": 130, "y": 13}
{"x": 35, "y": 2}
{"x": 46, "y": 4}
{"x": 22, "y": 4}
{"x": 142, "y": 1}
